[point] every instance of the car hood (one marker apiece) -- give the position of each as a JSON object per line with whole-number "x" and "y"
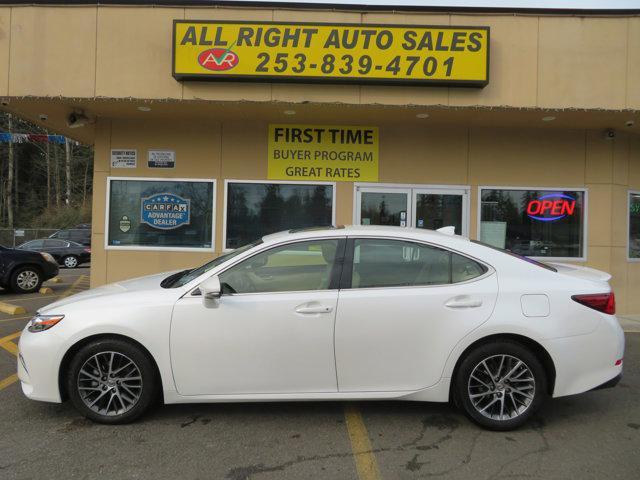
{"x": 149, "y": 282}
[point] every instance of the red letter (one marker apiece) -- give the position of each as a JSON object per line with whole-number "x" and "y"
{"x": 557, "y": 207}
{"x": 569, "y": 207}
{"x": 534, "y": 207}
{"x": 546, "y": 206}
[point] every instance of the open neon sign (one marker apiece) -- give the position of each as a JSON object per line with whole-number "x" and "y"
{"x": 551, "y": 207}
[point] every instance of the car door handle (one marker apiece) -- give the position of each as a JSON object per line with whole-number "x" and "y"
{"x": 463, "y": 301}
{"x": 311, "y": 309}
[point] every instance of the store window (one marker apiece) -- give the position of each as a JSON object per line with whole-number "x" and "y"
{"x": 258, "y": 209}
{"x": 162, "y": 214}
{"x": 537, "y": 223}
{"x": 634, "y": 225}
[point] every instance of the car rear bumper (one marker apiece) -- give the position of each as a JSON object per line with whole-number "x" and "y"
{"x": 609, "y": 383}
{"x": 587, "y": 362}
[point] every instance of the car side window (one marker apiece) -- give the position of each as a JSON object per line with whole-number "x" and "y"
{"x": 398, "y": 263}
{"x": 293, "y": 267}
{"x": 34, "y": 244}
{"x": 464, "y": 269}
{"x": 52, "y": 243}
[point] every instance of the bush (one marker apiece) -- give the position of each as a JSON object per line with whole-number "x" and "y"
{"x": 63, "y": 217}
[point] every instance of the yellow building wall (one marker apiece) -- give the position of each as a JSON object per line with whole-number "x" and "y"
{"x": 541, "y": 61}
{"x": 410, "y": 155}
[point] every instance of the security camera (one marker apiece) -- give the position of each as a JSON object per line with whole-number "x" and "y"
{"x": 43, "y": 116}
{"x": 609, "y": 134}
{"x": 629, "y": 123}
{"x": 4, "y": 102}
{"x": 77, "y": 119}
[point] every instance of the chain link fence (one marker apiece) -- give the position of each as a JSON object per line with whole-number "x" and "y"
{"x": 12, "y": 237}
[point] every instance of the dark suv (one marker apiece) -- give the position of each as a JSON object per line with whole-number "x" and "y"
{"x": 23, "y": 271}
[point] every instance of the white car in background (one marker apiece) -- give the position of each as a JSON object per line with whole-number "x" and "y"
{"x": 351, "y": 313}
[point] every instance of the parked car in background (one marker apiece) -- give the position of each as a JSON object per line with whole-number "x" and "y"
{"x": 24, "y": 271}
{"x": 67, "y": 253}
{"x": 79, "y": 235}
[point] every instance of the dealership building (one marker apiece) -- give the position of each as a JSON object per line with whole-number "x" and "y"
{"x": 215, "y": 123}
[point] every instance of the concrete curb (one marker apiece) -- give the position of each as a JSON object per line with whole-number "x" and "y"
{"x": 11, "y": 309}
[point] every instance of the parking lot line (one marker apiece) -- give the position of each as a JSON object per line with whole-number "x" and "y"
{"x": 10, "y": 380}
{"x": 74, "y": 285}
{"x": 366, "y": 464}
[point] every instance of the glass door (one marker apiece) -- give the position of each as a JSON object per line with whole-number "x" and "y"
{"x": 437, "y": 208}
{"x": 383, "y": 206}
{"x": 429, "y": 208}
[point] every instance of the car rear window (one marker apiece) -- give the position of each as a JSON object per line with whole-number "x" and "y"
{"x": 517, "y": 255}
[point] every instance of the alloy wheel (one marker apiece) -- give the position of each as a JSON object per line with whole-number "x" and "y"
{"x": 71, "y": 262}
{"x": 501, "y": 387}
{"x": 110, "y": 383}
{"x": 27, "y": 280}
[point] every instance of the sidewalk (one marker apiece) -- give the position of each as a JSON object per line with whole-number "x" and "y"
{"x": 630, "y": 323}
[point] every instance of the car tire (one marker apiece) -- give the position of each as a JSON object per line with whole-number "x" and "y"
{"x": 70, "y": 261}
{"x": 500, "y": 385}
{"x": 27, "y": 279}
{"x": 120, "y": 398}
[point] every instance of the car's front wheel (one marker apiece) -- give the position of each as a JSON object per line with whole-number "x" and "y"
{"x": 26, "y": 280}
{"x": 70, "y": 261}
{"x": 500, "y": 385}
{"x": 112, "y": 381}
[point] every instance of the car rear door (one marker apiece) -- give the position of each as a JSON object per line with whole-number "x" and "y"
{"x": 402, "y": 308}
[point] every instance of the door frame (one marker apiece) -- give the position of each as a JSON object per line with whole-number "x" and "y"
{"x": 412, "y": 189}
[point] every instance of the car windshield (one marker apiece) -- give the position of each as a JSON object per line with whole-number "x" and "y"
{"x": 517, "y": 255}
{"x": 182, "y": 278}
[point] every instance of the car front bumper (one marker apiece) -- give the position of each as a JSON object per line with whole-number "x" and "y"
{"x": 38, "y": 365}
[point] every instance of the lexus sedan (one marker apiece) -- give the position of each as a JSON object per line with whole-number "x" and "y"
{"x": 67, "y": 253}
{"x": 347, "y": 313}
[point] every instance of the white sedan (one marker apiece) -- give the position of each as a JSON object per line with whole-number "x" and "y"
{"x": 351, "y": 313}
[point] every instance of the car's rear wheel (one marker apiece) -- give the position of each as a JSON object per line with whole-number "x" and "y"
{"x": 500, "y": 385}
{"x": 112, "y": 381}
{"x": 70, "y": 261}
{"x": 26, "y": 280}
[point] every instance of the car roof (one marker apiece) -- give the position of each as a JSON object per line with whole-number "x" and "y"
{"x": 366, "y": 230}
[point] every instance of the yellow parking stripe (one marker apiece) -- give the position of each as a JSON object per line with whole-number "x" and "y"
{"x": 8, "y": 338}
{"x": 10, "y": 347}
{"x": 366, "y": 464}
{"x": 74, "y": 285}
{"x": 10, "y": 380}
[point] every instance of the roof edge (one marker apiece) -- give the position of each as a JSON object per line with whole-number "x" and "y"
{"x": 327, "y": 6}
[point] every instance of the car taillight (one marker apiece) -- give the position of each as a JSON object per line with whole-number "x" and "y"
{"x": 88, "y": 250}
{"x": 603, "y": 302}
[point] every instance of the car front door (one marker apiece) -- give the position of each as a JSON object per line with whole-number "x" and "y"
{"x": 270, "y": 332}
{"x": 402, "y": 308}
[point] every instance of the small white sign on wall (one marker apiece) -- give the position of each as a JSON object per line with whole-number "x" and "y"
{"x": 124, "y": 158}
{"x": 161, "y": 159}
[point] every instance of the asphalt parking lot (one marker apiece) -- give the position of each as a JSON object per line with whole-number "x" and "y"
{"x": 590, "y": 436}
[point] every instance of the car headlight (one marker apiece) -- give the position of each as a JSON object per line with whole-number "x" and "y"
{"x": 40, "y": 323}
{"x": 48, "y": 257}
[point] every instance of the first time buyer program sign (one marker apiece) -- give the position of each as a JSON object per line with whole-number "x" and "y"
{"x": 323, "y": 152}
{"x": 313, "y": 52}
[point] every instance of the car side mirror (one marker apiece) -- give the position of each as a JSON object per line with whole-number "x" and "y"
{"x": 211, "y": 288}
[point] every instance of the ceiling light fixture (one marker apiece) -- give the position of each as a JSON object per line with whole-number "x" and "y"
{"x": 144, "y": 109}
{"x": 422, "y": 115}
{"x": 548, "y": 118}
{"x": 289, "y": 112}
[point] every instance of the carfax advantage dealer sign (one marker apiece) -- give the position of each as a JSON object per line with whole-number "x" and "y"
{"x": 313, "y": 52}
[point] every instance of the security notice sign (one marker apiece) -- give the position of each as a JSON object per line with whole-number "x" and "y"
{"x": 313, "y": 52}
{"x": 323, "y": 152}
